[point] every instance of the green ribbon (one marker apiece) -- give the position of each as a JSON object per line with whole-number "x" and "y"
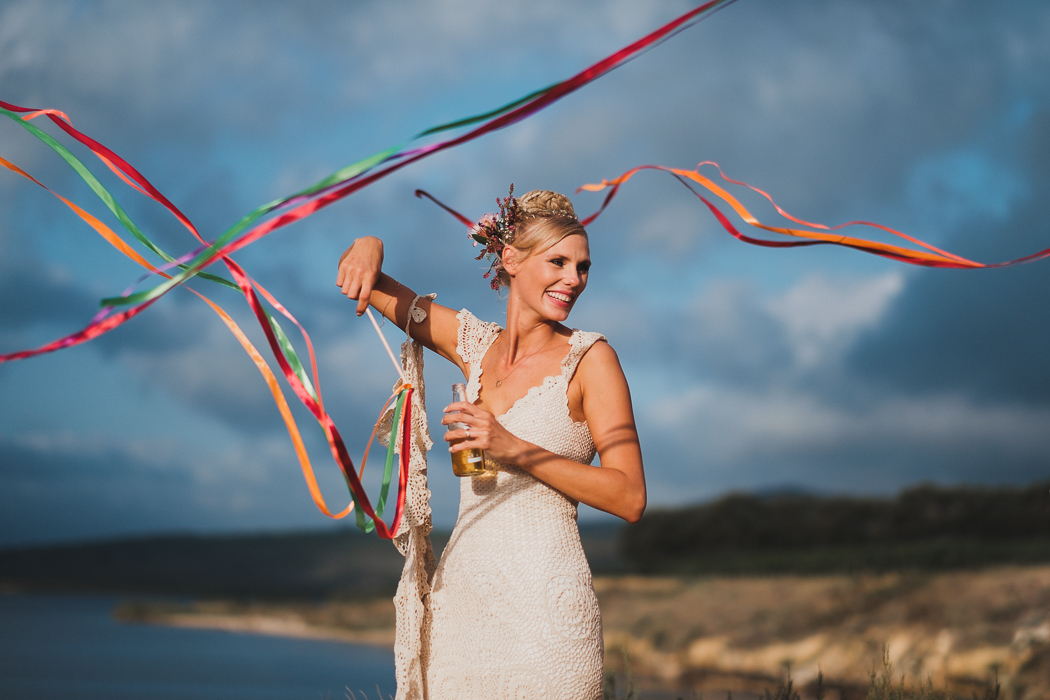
{"x": 388, "y": 472}
{"x": 105, "y": 196}
{"x": 289, "y": 352}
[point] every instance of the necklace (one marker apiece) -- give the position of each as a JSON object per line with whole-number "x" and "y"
{"x": 499, "y": 381}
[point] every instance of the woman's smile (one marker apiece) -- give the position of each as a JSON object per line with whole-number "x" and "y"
{"x": 562, "y": 299}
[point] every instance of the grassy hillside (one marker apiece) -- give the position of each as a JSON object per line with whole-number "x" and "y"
{"x": 292, "y": 565}
{"x": 299, "y": 565}
{"x": 922, "y": 528}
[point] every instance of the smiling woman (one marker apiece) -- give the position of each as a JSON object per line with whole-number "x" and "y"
{"x": 512, "y": 606}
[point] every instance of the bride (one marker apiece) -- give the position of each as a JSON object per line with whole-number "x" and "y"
{"x": 512, "y": 607}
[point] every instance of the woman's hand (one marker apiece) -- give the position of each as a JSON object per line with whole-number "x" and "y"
{"x": 483, "y": 432}
{"x": 359, "y": 268}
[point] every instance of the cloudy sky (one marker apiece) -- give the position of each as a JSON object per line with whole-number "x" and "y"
{"x": 753, "y": 369}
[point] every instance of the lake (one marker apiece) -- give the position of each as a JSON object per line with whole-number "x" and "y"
{"x": 56, "y": 647}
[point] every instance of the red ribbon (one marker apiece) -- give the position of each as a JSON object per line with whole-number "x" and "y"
{"x": 928, "y": 256}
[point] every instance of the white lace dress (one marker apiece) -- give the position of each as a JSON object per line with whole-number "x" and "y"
{"x": 512, "y": 606}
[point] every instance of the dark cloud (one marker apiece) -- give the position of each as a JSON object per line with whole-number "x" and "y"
{"x": 36, "y": 294}
{"x": 808, "y": 367}
{"x": 721, "y": 439}
{"x": 98, "y": 488}
{"x": 189, "y": 354}
{"x": 984, "y": 332}
{"x": 91, "y": 492}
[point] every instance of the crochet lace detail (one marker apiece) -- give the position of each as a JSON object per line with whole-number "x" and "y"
{"x": 411, "y": 603}
{"x": 472, "y": 342}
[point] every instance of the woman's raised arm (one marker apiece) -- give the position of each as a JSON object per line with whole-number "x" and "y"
{"x": 361, "y": 277}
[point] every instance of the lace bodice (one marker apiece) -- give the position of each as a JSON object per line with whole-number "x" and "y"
{"x": 542, "y": 415}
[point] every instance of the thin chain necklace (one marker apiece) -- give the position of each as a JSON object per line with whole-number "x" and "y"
{"x": 499, "y": 382}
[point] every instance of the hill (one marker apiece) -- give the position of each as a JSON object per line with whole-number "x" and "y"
{"x": 925, "y": 527}
{"x": 296, "y": 565}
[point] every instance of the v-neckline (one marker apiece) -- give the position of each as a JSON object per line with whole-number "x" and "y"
{"x": 561, "y": 371}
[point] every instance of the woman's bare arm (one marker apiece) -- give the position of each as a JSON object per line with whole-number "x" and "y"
{"x": 361, "y": 277}
{"x": 618, "y": 485}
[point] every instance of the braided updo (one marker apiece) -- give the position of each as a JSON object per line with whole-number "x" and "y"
{"x": 546, "y": 203}
{"x": 546, "y": 218}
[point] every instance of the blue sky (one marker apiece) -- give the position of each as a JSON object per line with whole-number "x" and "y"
{"x": 750, "y": 368}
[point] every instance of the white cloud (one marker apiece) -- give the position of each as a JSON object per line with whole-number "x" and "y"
{"x": 732, "y": 426}
{"x": 674, "y": 231}
{"x": 150, "y": 453}
{"x": 358, "y": 365}
{"x": 737, "y": 331}
{"x": 249, "y": 461}
{"x": 212, "y": 369}
{"x": 822, "y": 317}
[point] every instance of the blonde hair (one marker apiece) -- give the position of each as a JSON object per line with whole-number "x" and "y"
{"x": 546, "y": 219}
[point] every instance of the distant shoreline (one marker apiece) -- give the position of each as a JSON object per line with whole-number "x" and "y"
{"x": 275, "y": 626}
{"x": 369, "y": 622}
{"x": 711, "y": 632}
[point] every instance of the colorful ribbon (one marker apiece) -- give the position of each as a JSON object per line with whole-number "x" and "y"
{"x": 290, "y": 209}
{"x": 346, "y": 181}
{"x": 294, "y": 371}
{"x": 924, "y": 255}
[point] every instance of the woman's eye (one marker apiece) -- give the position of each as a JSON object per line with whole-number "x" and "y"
{"x": 558, "y": 262}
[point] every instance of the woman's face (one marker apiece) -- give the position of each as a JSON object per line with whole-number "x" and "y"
{"x": 550, "y": 282}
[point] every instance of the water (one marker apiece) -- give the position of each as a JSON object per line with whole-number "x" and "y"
{"x": 70, "y": 648}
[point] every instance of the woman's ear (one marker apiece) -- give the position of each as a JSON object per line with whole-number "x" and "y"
{"x": 511, "y": 259}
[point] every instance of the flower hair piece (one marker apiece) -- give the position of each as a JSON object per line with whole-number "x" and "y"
{"x": 495, "y": 232}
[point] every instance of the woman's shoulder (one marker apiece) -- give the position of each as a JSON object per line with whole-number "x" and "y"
{"x": 584, "y": 345}
{"x": 599, "y": 383}
{"x": 599, "y": 358}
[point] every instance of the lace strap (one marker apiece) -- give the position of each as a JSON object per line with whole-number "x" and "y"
{"x": 474, "y": 337}
{"x": 472, "y": 342}
{"x": 579, "y": 344}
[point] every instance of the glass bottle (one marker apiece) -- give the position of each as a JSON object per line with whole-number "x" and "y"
{"x": 465, "y": 462}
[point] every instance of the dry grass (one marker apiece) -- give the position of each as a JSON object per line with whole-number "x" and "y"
{"x": 954, "y": 629}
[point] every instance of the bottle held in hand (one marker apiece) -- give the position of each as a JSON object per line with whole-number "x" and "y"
{"x": 465, "y": 462}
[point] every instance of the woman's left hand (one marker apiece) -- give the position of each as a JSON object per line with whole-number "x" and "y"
{"x": 483, "y": 432}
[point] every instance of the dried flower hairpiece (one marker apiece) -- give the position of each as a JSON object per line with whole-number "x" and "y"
{"x": 495, "y": 232}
